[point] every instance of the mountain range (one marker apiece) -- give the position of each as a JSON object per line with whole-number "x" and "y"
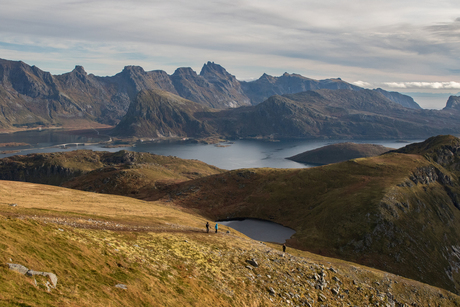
{"x": 30, "y": 96}
{"x": 153, "y": 104}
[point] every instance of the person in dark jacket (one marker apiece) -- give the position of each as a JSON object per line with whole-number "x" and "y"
{"x": 284, "y": 248}
{"x": 207, "y": 227}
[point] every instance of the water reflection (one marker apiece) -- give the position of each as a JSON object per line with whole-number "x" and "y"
{"x": 261, "y": 230}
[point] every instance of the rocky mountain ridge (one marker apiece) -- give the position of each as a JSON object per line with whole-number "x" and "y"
{"x": 30, "y": 97}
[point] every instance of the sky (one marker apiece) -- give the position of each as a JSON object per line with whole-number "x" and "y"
{"x": 409, "y": 46}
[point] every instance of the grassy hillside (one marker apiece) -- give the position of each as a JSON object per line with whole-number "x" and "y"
{"x": 121, "y": 172}
{"x": 397, "y": 212}
{"x": 163, "y": 257}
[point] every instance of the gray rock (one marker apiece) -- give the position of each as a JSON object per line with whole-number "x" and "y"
{"x": 335, "y": 291}
{"x": 121, "y": 286}
{"x": 321, "y": 297}
{"x": 52, "y": 277}
{"x": 271, "y": 291}
{"x": 253, "y": 262}
{"x": 18, "y": 268}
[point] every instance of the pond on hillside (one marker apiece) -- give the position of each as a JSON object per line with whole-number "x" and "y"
{"x": 260, "y": 230}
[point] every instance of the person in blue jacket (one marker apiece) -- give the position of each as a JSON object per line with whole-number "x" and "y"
{"x": 216, "y": 227}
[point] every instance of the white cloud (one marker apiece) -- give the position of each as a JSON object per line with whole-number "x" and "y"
{"x": 358, "y": 40}
{"x": 424, "y": 85}
{"x": 362, "y": 84}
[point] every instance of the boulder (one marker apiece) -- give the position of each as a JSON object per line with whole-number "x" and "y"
{"x": 52, "y": 277}
{"x": 18, "y": 268}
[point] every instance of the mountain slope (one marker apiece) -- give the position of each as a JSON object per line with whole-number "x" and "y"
{"x": 158, "y": 113}
{"x": 397, "y": 212}
{"x": 109, "y": 250}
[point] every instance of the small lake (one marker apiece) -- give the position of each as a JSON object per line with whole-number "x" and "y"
{"x": 261, "y": 230}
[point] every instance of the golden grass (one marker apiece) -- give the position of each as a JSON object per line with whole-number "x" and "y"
{"x": 172, "y": 263}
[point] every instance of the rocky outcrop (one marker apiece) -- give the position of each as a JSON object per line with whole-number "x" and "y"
{"x": 52, "y": 278}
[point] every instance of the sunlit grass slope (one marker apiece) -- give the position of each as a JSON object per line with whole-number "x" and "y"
{"x": 93, "y": 242}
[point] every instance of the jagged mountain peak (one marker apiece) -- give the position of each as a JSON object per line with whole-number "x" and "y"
{"x": 184, "y": 71}
{"x": 80, "y": 69}
{"x": 133, "y": 69}
{"x": 453, "y": 103}
{"x": 213, "y": 68}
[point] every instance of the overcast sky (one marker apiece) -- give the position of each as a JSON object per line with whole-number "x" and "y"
{"x": 404, "y": 45}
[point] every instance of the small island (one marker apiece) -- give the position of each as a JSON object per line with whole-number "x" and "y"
{"x": 339, "y": 152}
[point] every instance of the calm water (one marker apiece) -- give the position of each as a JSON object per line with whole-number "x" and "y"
{"x": 235, "y": 155}
{"x": 261, "y": 230}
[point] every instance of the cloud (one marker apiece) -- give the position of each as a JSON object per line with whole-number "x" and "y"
{"x": 360, "y": 40}
{"x": 423, "y": 85}
{"x": 362, "y": 84}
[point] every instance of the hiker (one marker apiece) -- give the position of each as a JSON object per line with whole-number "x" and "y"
{"x": 284, "y": 247}
{"x": 207, "y": 227}
{"x": 216, "y": 227}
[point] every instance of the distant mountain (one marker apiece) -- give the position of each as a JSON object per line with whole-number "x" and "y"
{"x": 339, "y": 114}
{"x": 453, "y": 103}
{"x": 336, "y": 114}
{"x": 30, "y": 97}
{"x": 339, "y": 152}
{"x": 267, "y": 86}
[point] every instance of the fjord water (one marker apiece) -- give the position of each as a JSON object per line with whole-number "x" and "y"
{"x": 260, "y": 230}
{"x": 229, "y": 155}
